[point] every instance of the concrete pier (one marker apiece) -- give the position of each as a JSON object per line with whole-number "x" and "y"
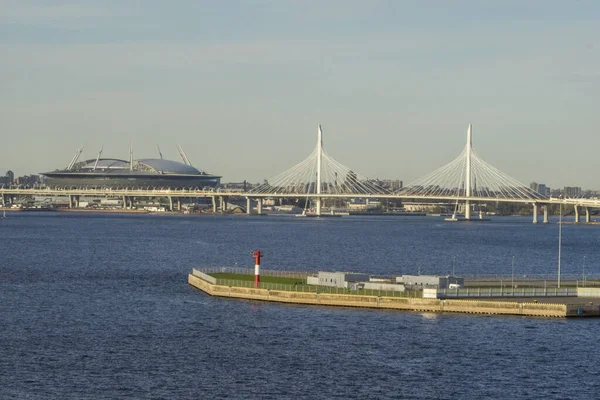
{"x": 576, "y": 209}
{"x": 587, "y": 215}
{"x": 73, "y": 201}
{"x": 535, "y": 214}
{"x": 467, "y": 210}
{"x": 128, "y": 202}
{"x": 483, "y": 306}
{"x": 214, "y": 203}
{"x": 545, "y": 208}
{"x": 259, "y": 206}
{"x": 248, "y": 206}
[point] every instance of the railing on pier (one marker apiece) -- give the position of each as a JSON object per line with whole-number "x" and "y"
{"x": 304, "y": 288}
{"x": 263, "y": 272}
{"x": 301, "y": 286}
{"x": 507, "y": 292}
{"x": 591, "y": 277}
{"x": 204, "y": 276}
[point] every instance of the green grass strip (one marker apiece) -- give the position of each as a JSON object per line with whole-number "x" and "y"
{"x": 263, "y": 278}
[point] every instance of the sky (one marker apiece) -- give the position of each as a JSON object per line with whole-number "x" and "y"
{"x": 242, "y": 85}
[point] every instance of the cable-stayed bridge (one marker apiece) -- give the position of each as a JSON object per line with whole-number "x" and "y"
{"x": 466, "y": 180}
{"x": 320, "y": 176}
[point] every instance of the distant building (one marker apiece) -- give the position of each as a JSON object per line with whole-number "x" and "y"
{"x": 340, "y": 279}
{"x": 430, "y": 281}
{"x": 8, "y": 179}
{"x": 28, "y": 180}
{"x": 141, "y": 173}
{"x": 363, "y": 205}
{"x": 288, "y": 209}
{"x": 391, "y": 286}
{"x": 235, "y": 186}
{"x": 540, "y": 188}
{"x": 354, "y": 281}
{"x": 423, "y": 207}
{"x": 572, "y": 191}
{"x": 391, "y": 184}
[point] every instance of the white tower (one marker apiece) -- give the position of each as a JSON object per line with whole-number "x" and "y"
{"x": 130, "y": 156}
{"x": 319, "y": 158}
{"x": 468, "y": 174}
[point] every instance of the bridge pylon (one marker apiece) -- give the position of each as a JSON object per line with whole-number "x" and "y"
{"x": 469, "y": 177}
{"x": 468, "y": 192}
{"x": 319, "y": 167}
{"x": 317, "y": 178}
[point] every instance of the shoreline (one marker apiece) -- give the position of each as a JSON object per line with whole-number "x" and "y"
{"x": 141, "y": 211}
{"x": 114, "y": 211}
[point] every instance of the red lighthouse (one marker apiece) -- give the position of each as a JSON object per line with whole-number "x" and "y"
{"x": 257, "y": 256}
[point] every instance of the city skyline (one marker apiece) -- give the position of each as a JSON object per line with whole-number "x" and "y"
{"x": 243, "y": 86}
{"x": 31, "y": 180}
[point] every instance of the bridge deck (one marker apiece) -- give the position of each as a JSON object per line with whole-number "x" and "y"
{"x": 183, "y": 193}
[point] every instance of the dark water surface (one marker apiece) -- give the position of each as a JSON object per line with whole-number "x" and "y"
{"x": 97, "y": 306}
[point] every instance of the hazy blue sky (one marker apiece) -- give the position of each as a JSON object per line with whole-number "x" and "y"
{"x": 242, "y": 85}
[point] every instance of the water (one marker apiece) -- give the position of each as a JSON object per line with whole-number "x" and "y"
{"x": 97, "y": 306}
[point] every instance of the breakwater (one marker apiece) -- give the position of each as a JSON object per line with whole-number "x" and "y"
{"x": 204, "y": 283}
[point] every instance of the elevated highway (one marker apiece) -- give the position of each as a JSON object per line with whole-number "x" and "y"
{"x": 220, "y": 197}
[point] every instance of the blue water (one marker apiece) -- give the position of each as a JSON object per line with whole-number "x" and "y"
{"x": 97, "y": 306}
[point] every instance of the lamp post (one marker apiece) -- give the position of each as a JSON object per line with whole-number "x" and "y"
{"x": 559, "y": 239}
{"x": 583, "y": 271}
{"x": 453, "y": 265}
{"x": 513, "y": 274}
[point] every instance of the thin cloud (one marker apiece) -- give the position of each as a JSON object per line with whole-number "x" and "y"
{"x": 63, "y": 14}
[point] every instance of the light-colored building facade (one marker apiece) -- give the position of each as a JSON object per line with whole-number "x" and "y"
{"x": 392, "y": 287}
{"x": 572, "y": 192}
{"x": 339, "y": 279}
{"x": 430, "y": 281}
{"x": 353, "y": 281}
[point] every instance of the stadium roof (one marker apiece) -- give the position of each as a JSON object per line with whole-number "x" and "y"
{"x": 156, "y": 164}
{"x": 106, "y": 163}
{"x": 168, "y": 166}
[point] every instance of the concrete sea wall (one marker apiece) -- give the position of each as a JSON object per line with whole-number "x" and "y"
{"x": 591, "y": 292}
{"x": 396, "y": 303}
